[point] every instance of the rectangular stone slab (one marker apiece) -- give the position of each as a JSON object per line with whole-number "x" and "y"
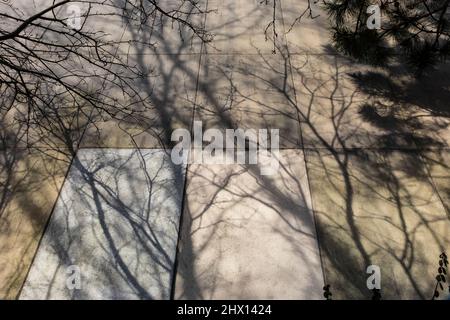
{"x": 248, "y": 92}
{"x": 249, "y": 236}
{"x": 116, "y": 222}
{"x": 377, "y": 207}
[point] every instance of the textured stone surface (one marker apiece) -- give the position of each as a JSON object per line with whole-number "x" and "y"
{"x": 244, "y": 26}
{"x": 30, "y": 180}
{"x": 117, "y": 221}
{"x": 438, "y": 162}
{"x": 344, "y": 104}
{"x": 171, "y": 87}
{"x": 305, "y": 33}
{"x": 376, "y": 207}
{"x": 248, "y": 236}
{"x": 248, "y": 92}
{"x": 378, "y": 195}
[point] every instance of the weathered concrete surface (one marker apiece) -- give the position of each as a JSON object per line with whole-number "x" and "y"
{"x": 167, "y": 61}
{"x": 162, "y": 68}
{"x": 117, "y": 220}
{"x": 438, "y": 162}
{"x": 60, "y": 129}
{"x": 126, "y": 27}
{"x": 29, "y": 186}
{"x": 171, "y": 88}
{"x": 307, "y": 33}
{"x": 163, "y": 35}
{"x": 248, "y": 92}
{"x": 343, "y": 104}
{"x": 242, "y": 84}
{"x": 242, "y": 26}
{"x": 377, "y": 208}
{"x": 247, "y": 236}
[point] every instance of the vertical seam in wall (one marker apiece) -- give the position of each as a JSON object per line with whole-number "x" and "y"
{"x": 183, "y": 196}
{"x": 430, "y": 177}
{"x": 433, "y": 184}
{"x": 47, "y": 223}
{"x": 92, "y": 111}
{"x": 311, "y": 201}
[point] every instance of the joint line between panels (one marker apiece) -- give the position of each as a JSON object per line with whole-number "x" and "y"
{"x": 311, "y": 199}
{"x": 183, "y": 196}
